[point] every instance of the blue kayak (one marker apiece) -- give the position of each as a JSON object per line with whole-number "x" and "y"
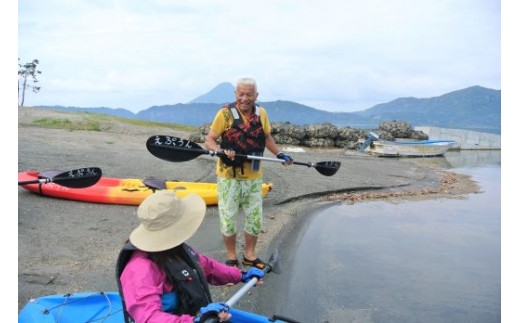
{"x": 101, "y": 307}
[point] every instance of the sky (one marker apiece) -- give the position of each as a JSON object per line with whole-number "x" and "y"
{"x": 331, "y": 55}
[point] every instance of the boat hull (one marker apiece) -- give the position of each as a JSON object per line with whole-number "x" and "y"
{"x": 129, "y": 191}
{"x": 424, "y": 148}
{"x": 98, "y": 307}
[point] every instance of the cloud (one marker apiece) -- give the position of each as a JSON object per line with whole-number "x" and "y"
{"x": 330, "y": 54}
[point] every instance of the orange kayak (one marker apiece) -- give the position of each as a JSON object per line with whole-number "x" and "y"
{"x": 129, "y": 191}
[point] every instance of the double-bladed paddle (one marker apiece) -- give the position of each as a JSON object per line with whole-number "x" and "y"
{"x": 273, "y": 265}
{"x": 178, "y": 150}
{"x": 76, "y": 178}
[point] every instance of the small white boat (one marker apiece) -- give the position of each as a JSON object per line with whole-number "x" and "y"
{"x": 419, "y": 148}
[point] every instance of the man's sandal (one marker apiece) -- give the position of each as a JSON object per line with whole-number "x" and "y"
{"x": 258, "y": 263}
{"x": 232, "y": 262}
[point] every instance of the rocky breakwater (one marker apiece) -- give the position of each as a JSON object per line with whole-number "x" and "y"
{"x": 327, "y": 135}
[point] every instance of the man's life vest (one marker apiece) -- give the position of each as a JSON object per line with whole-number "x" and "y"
{"x": 187, "y": 277}
{"x": 244, "y": 139}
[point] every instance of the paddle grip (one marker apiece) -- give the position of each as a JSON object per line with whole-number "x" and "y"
{"x": 36, "y": 181}
{"x": 247, "y": 286}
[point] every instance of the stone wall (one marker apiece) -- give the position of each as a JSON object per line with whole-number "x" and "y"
{"x": 464, "y": 139}
{"x": 326, "y": 135}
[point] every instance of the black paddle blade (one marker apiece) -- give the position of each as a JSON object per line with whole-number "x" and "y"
{"x": 76, "y": 178}
{"x": 79, "y": 178}
{"x": 328, "y": 168}
{"x": 273, "y": 263}
{"x": 173, "y": 148}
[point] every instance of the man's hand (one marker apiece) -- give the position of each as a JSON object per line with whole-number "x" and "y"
{"x": 288, "y": 159}
{"x": 230, "y": 154}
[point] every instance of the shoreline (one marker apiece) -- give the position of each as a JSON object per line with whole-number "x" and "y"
{"x": 66, "y": 246}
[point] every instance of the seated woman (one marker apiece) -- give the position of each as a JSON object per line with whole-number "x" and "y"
{"x": 160, "y": 277}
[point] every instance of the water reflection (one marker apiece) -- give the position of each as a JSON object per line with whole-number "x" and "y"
{"x": 469, "y": 159}
{"x": 427, "y": 261}
{"x": 463, "y": 159}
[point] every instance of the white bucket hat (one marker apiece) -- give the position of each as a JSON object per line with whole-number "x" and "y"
{"x": 167, "y": 221}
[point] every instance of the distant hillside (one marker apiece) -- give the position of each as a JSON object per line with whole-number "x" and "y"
{"x": 102, "y": 110}
{"x": 193, "y": 114}
{"x": 197, "y": 114}
{"x": 475, "y": 108}
{"x": 295, "y": 113}
{"x": 222, "y": 93}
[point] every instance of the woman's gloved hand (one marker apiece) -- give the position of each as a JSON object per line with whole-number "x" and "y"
{"x": 253, "y": 272}
{"x": 213, "y": 310}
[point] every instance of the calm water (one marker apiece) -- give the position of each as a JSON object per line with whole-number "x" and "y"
{"x": 426, "y": 261}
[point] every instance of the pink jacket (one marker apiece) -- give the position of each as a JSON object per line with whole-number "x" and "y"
{"x": 143, "y": 283}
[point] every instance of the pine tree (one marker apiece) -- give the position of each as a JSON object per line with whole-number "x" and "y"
{"x": 27, "y": 73}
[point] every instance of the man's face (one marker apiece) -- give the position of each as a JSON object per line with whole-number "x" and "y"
{"x": 245, "y": 96}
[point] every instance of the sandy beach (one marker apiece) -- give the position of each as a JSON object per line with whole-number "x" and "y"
{"x": 66, "y": 246}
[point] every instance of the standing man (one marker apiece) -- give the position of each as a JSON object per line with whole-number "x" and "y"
{"x": 243, "y": 128}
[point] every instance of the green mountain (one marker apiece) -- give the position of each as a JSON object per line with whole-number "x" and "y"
{"x": 475, "y": 108}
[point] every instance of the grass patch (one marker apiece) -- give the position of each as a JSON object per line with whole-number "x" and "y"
{"x": 55, "y": 123}
{"x": 109, "y": 118}
{"x": 101, "y": 122}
